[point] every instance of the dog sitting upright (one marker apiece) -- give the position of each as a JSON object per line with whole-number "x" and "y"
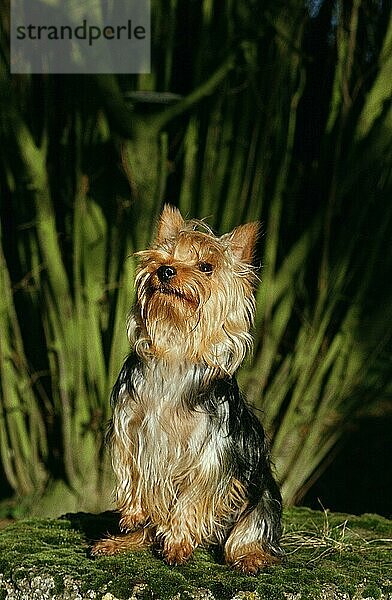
{"x": 190, "y": 458}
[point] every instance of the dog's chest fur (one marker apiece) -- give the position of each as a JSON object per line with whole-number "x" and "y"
{"x": 168, "y": 437}
{"x": 161, "y": 416}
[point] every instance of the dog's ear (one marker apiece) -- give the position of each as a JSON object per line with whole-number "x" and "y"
{"x": 243, "y": 241}
{"x": 170, "y": 223}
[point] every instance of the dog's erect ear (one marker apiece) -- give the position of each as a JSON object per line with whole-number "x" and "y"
{"x": 170, "y": 223}
{"x": 243, "y": 241}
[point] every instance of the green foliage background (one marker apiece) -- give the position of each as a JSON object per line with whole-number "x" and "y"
{"x": 253, "y": 110}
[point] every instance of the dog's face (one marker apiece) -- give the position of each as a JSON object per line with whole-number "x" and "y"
{"x": 195, "y": 291}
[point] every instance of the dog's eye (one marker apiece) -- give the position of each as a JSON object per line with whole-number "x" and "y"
{"x": 206, "y": 267}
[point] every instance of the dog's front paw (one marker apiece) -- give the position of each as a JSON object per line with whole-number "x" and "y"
{"x": 177, "y": 553}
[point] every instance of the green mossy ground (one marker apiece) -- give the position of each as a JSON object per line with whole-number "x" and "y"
{"x": 327, "y": 556}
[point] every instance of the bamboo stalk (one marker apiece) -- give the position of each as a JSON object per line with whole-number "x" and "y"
{"x": 21, "y": 454}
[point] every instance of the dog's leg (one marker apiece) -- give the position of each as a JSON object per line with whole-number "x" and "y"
{"x": 177, "y": 538}
{"x": 180, "y": 535}
{"x": 124, "y": 448}
{"x": 254, "y": 541}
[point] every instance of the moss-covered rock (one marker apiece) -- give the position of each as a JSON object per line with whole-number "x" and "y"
{"x": 328, "y": 556}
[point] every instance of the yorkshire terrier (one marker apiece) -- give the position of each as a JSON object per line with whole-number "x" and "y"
{"x": 191, "y": 460}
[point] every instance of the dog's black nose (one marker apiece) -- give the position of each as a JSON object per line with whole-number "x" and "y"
{"x": 165, "y": 273}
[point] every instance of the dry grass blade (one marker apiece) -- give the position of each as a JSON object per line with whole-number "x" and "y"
{"x": 327, "y": 539}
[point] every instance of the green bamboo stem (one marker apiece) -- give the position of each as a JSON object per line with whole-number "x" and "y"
{"x": 21, "y": 453}
{"x": 204, "y": 90}
{"x": 378, "y": 98}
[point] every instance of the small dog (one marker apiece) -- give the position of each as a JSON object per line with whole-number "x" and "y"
{"x": 190, "y": 458}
